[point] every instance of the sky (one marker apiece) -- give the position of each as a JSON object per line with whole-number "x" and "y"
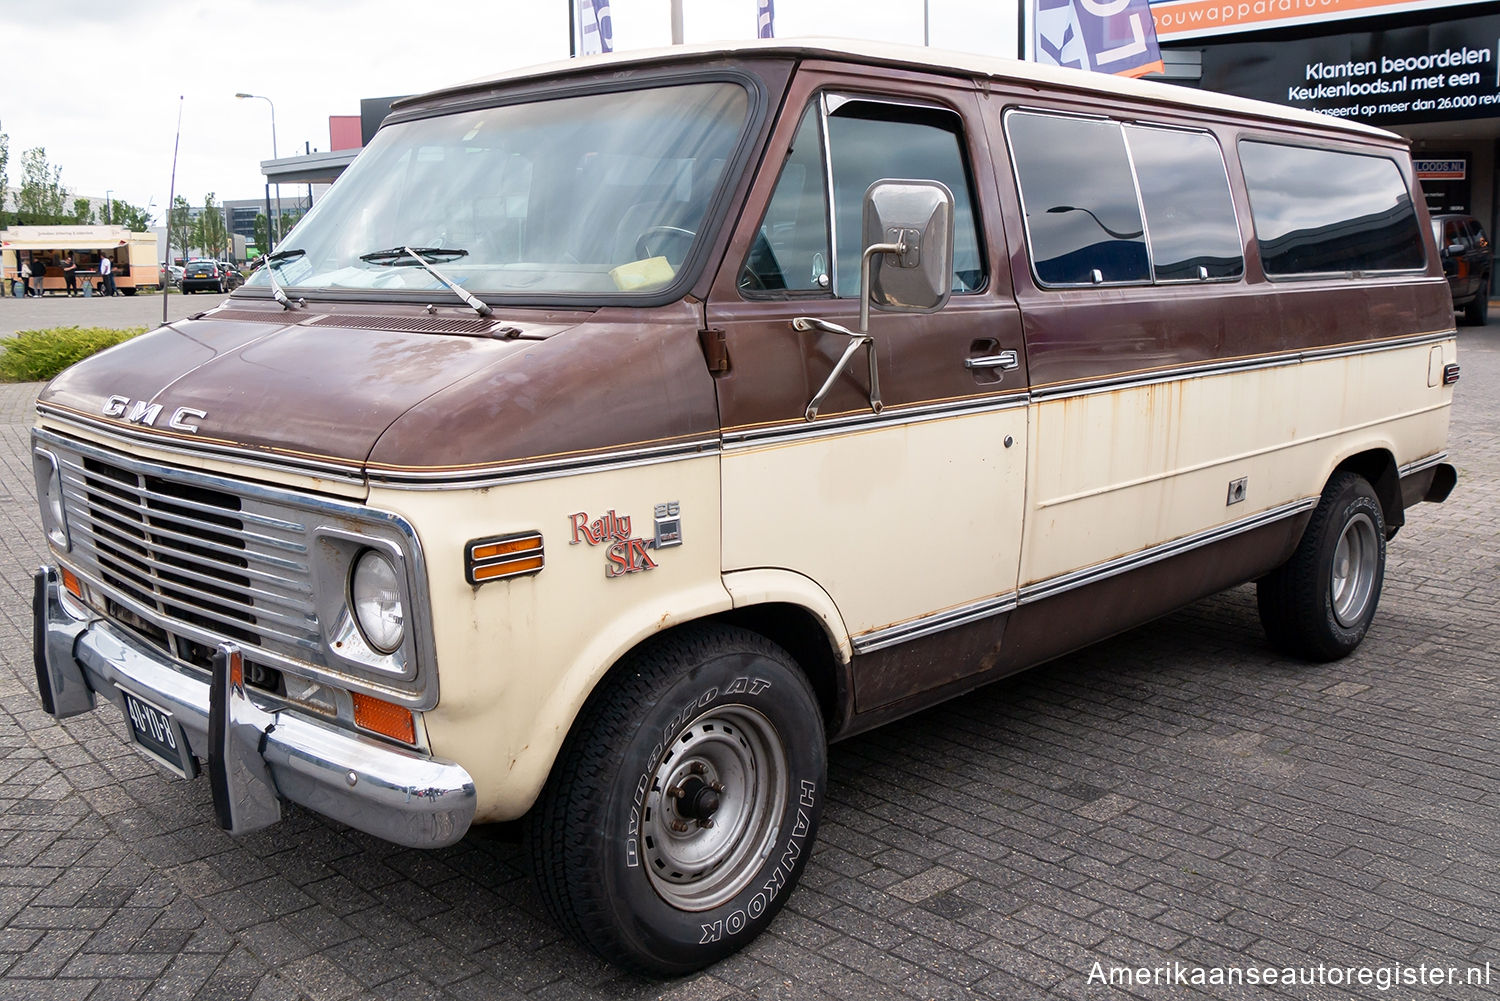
{"x": 99, "y": 88}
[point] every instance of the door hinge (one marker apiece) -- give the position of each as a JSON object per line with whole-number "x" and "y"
{"x": 715, "y": 350}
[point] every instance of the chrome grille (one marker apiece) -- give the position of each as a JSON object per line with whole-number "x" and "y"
{"x": 201, "y": 562}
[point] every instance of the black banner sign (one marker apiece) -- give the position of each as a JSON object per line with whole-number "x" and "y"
{"x": 1435, "y": 72}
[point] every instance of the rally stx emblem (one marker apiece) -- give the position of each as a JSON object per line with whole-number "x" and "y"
{"x": 141, "y": 412}
{"x": 627, "y": 553}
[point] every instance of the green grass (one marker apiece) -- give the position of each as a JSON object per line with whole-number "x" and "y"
{"x": 38, "y": 355}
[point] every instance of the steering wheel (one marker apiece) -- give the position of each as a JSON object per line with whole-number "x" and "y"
{"x": 674, "y": 234}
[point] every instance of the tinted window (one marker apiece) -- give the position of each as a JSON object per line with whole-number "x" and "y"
{"x": 1319, "y": 211}
{"x": 1190, "y": 221}
{"x": 868, "y": 141}
{"x": 1082, "y": 215}
{"x": 790, "y": 253}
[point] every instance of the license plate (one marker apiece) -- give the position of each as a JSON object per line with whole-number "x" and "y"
{"x": 158, "y": 733}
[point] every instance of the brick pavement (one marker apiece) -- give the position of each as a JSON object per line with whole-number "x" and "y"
{"x": 1176, "y": 794}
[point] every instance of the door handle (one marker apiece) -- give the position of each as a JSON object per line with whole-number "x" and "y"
{"x": 1005, "y": 361}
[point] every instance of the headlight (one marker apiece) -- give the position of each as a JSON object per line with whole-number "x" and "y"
{"x": 50, "y": 494}
{"x": 375, "y": 595}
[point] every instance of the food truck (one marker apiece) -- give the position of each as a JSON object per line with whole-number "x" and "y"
{"x": 132, "y": 255}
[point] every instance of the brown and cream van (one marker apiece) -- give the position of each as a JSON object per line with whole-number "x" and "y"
{"x": 617, "y": 433}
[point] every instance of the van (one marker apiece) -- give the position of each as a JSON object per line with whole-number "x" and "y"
{"x": 615, "y": 434}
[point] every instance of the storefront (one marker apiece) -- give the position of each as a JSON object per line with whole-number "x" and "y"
{"x": 1428, "y": 70}
{"x": 132, "y": 255}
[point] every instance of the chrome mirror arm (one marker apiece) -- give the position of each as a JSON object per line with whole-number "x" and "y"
{"x": 856, "y": 341}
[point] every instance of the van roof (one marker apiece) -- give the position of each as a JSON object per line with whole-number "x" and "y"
{"x": 922, "y": 58}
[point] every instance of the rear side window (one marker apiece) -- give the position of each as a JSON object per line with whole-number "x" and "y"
{"x": 1108, "y": 204}
{"x": 1321, "y": 211}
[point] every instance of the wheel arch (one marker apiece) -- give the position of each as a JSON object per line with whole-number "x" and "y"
{"x": 1378, "y": 466}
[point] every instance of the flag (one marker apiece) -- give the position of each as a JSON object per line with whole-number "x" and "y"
{"x": 598, "y": 30}
{"x": 765, "y": 18}
{"x": 1106, "y": 36}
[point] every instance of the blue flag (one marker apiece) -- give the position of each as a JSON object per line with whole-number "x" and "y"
{"x": 1106, "y": 36}
{"x": 765, "y": 18}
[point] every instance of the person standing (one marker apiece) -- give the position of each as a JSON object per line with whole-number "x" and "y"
{"x": 107, "y": 274}
{"x": 25, "y": 278}
{"x": 70, "y": 276}
{"x": 38, "y": 274}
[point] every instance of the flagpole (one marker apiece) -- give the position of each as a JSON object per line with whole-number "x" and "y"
{"x": 926, "y": 34}
{"x": 676, "y": 22}
{"x": 572, "y": 30}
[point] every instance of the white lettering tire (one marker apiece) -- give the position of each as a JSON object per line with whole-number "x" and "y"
{"x": 684, "y": 804}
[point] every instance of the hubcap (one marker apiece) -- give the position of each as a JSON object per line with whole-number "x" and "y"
{"x": 716, "y": 801}
{"x": 1355, "y": 561}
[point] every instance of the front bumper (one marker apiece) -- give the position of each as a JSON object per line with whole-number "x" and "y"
{"x": 255, "y": 757}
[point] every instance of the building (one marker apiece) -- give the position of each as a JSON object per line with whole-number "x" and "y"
{"x": 1427, "y": 69}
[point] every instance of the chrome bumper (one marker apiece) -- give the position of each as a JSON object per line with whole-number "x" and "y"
{"x": 255, "y": 758}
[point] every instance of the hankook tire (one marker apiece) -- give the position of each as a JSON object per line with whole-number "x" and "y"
{"x": 683, "y": 806}
{"x": 1319, "y": 604}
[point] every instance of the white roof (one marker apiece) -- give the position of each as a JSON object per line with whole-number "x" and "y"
{"x": 940, "y": 60}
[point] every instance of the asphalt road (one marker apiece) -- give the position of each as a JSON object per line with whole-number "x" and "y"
{"x": 99, "y": 311}
{"x": 1177, "y": 795}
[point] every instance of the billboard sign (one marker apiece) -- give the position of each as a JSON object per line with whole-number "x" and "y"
{"x": 1431, "y": 72}
{"x": 1177, "y": 20}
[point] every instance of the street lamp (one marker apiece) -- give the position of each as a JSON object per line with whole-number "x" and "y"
{"x": 109, "y": 211}
{"x": 270, "y": 228}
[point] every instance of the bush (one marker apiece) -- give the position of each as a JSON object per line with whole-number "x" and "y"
{"x": 38, "y": 355}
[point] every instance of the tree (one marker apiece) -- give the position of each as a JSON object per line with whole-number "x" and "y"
{"x": 179, "y": 226}
{"x": 288, "y": 220}
{"x": 212, "y": 230}
{"x": 42, "y": 190}
{"x": 83, "y": 211}
{"x": 132, "y": 217}
{"x": 262, "y": 238}
{"x": 4, "y": 162}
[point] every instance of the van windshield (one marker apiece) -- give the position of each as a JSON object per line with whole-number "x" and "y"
{"x": 592, "y": 196}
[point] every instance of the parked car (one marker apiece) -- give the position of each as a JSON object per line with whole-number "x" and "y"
{"x": 173, "y": 273}
{"x": 841, "y": 380}
{"x": 1468, "y": 262}
{"x": 233, "y": 279}
{"x": 204, "y": 276}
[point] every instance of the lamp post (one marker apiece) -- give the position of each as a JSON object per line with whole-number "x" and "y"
{"x": 271, "y": 227}
{"x": 109, "y": 211}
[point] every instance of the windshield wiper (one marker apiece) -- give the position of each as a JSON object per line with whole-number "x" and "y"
{"x": 397, "y": 254}
{"x": 277, "y": 292}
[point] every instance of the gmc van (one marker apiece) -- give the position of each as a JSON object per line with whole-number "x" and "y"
{"x": 617, "y": 433}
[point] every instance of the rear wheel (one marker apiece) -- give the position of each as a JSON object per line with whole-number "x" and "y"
{"x": 1477, "y": 313}
{"x": 1320, "y": 603}
{"x": 684, "y": 804}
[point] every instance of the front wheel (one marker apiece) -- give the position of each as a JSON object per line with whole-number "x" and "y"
{"x": 684, "y": 804}
{"x": 1319, "y": 604}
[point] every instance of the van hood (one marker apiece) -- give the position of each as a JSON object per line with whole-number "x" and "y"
{"x": 309, "y": 389}
{"x": 408, "y": 395}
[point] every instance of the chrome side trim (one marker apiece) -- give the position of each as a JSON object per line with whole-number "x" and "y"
{"x": 524, "y": 472}
{"x": 1437, "y": 458}
{"x": 827, "y": 427}
{"x": 938, "y": 622}
{"x": 1211, "y": 368}
{"x": 1113, "y": 568}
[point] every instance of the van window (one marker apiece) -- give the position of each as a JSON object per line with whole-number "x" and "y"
{"x": 870, "y": 140}
{"x": 1190, "y": 220}
{"x": 1321, "y": 211}
{"x": 790, "y": 252}
{"x": 1083, "y": 220}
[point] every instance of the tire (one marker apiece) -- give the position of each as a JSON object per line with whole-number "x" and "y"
{"x": 1320, "y": 603}
{"x": 1477, "y": 313}
{"x": 665, "y": 883}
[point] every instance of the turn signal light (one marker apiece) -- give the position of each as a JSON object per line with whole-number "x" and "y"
{"x": 70, "y": 581}
{"x": 504, "y": 556}
{"x": 384, "y": 718}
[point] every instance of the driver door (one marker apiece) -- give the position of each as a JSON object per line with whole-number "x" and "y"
{"x": 910, "y": 518}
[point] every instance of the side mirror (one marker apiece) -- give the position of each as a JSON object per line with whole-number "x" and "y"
{"x": 908, "y": 231}
{"x": 1453, "y": 249}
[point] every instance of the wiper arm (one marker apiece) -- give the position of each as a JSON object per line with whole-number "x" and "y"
{"x": 277, "y": 292}
{"x": 398, "y": 253}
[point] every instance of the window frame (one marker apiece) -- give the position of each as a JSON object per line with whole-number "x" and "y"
{"x": 828, "y": 101}
{"x": 1123, "y": 124}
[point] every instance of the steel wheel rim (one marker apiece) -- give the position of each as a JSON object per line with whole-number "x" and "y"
{"x": 696, "y": 866}
{"x": 1355, "y": 559}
